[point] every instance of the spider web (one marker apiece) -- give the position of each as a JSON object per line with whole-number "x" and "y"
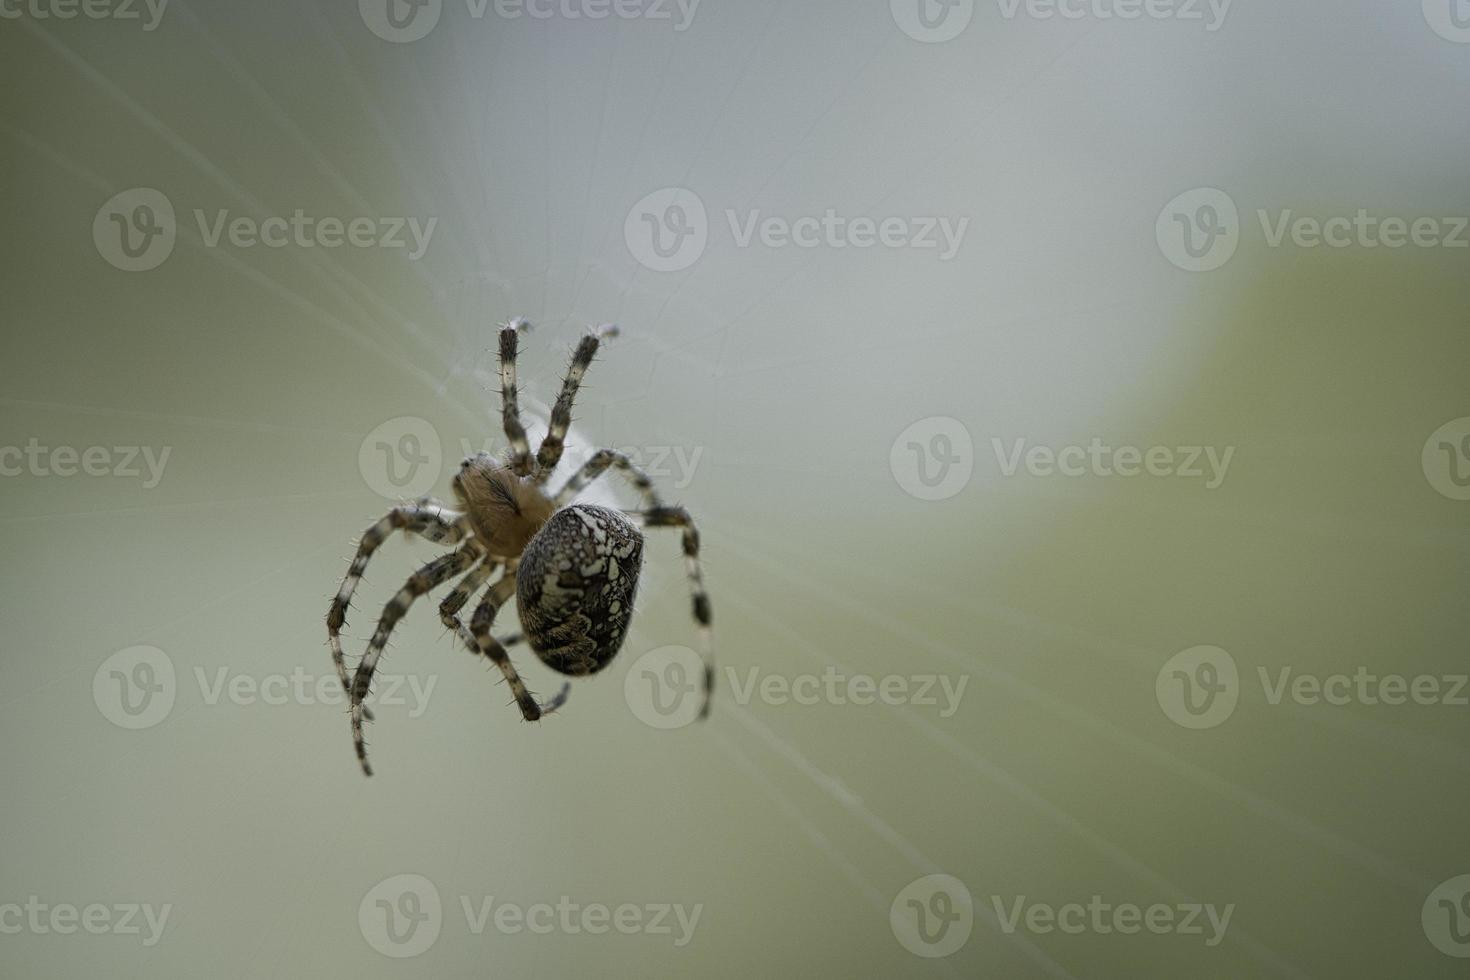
{"x": 531, "y": 142}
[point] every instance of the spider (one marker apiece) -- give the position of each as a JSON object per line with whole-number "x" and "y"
{"x": 573, "y": 568}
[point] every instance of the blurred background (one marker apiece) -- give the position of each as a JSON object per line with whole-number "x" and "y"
{"x": 1072, "y": 396}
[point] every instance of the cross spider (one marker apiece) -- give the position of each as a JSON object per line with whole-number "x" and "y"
{"x": 573, "y": 567}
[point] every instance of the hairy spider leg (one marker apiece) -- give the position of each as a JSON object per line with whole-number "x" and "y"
{"x": 428, "y": 519}
{"x": 549, "y": 453}
{"x": 510, "y": 415}
{"x": 656, "y": 514}
{"x": 434, "y": 573}
{"x": 480, "y": 624}
{"x": 679, "y": 517}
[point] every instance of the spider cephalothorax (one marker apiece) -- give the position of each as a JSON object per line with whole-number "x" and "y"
{"x": 572, "y": 567}
{"x": 504, "y": 510}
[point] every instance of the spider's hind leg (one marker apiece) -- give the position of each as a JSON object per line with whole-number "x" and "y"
{"x": 655, "y": 514}
{"x": 433, "y": 574}
{"x": 427, "y": 519}
{"x": 679, "y": 517}
{"x": 490, "y": 647}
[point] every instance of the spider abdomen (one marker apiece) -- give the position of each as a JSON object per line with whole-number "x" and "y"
{"x": 575, "y": 587}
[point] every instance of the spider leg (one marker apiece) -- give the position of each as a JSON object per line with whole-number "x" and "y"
{"x": 515, "y": 432}
{"x": 549, "y": 453}
{"x": 655, "y": 514}
{"x": 598, "y": 464}
{"x": 455, "y": 600}
{"x": 679, "y": 517}
{"x": 430, "y": 575}
{"x": 428, "y": 519}
{"x": 490, "y": 647}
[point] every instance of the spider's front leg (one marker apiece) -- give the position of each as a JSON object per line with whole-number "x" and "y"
{"x": 510, "y": 414}
{"x": 433, "y": 574}
{"x": 428, "y": 519}
{"x": 550, "y": 450}
{"x": 490, "y": 647}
